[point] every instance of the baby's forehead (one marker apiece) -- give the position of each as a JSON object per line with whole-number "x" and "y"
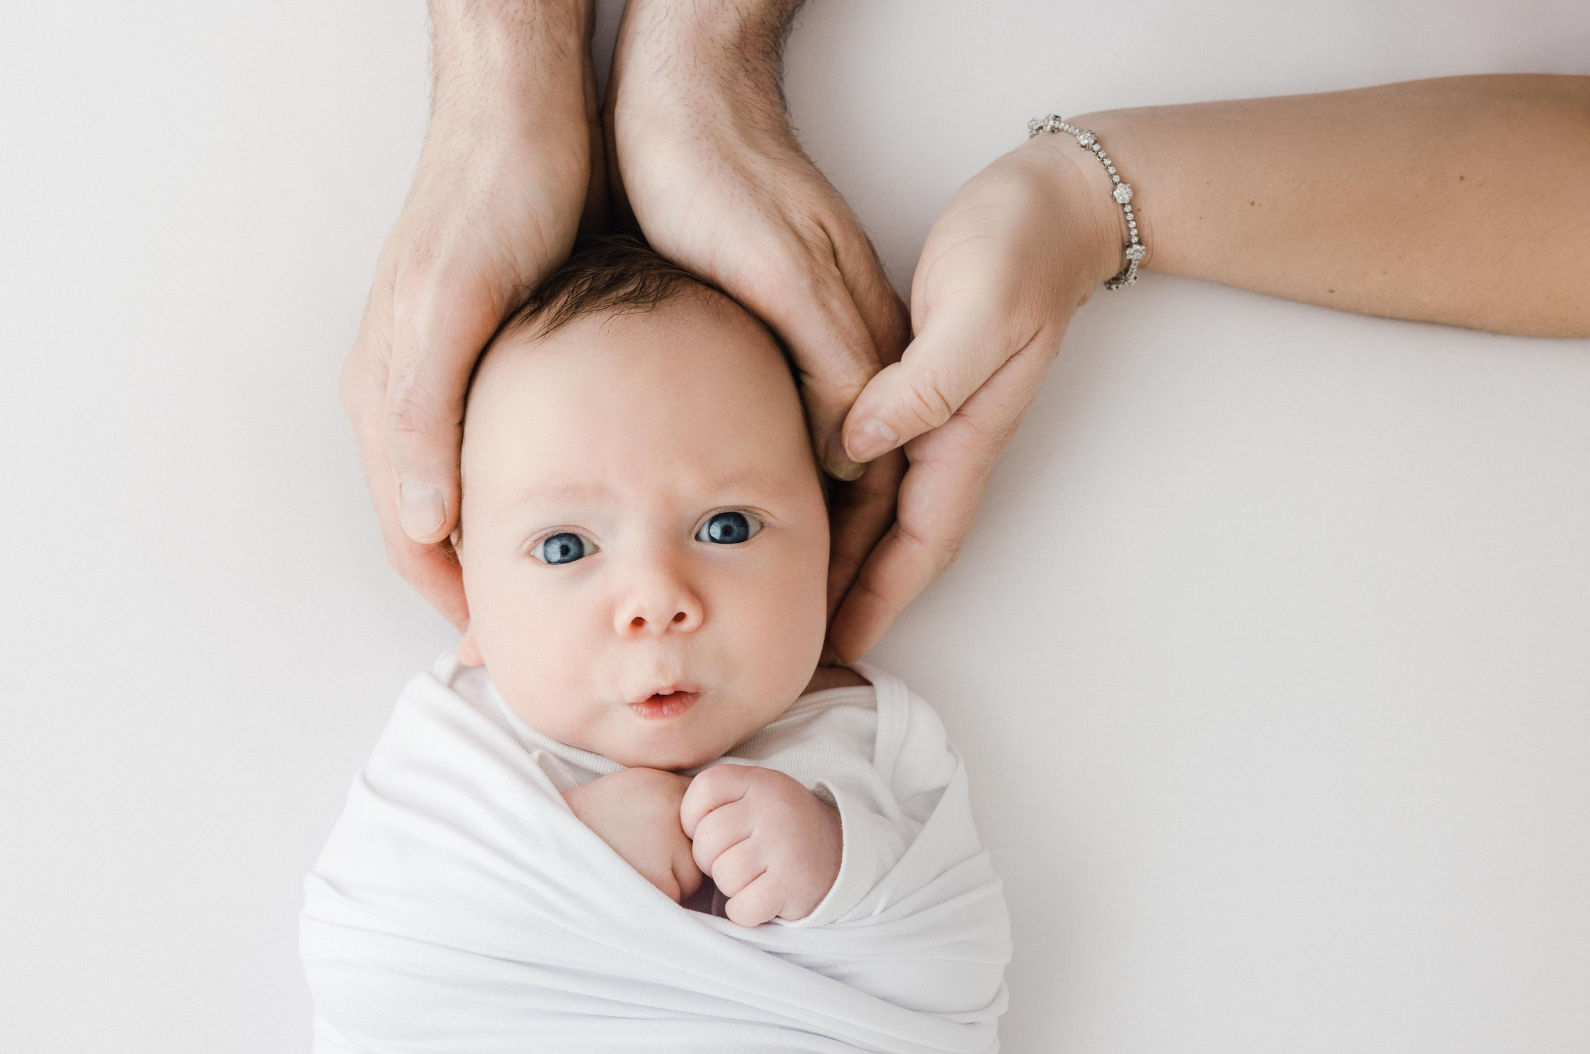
{"x": 696, "y": 339}
{"x": 693, "y": 380}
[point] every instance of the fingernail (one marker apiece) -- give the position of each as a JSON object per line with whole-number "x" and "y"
{"x": 838, "y": 463}
{"x": 872, "y": 439}
{"x": 421, "y": 510}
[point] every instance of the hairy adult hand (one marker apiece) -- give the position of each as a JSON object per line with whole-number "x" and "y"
{"x": 1009, "y": 260}
{"x": 511, "y": 160}
{"x": 703, "y": 156}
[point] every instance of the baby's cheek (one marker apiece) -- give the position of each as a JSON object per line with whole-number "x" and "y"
{"x": 536, "y": 650}
{"x": 781, "y": 625}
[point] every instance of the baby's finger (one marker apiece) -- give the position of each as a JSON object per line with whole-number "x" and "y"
{"x": 667, "y": 883}
{"x": 713, "y": 789}
{"x": 738, "y": 867}
{"x": 720, "y": 830}
{"x": 758, "y": 902}
{"x": 687, "y": 876}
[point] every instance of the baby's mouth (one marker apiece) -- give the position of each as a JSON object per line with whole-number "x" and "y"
{"x": 666, "y": 702}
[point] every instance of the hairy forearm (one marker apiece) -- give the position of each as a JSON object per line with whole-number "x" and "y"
{"x": 1462, "y": 200}
{"x": 701, "y": 50}
{"x": 495, "y": 57}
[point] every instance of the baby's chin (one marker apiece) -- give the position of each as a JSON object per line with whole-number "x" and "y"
{"x": 666, "y": 760}
{"x": 674, "y": 733}
{"x": 674, "y": 749}
{"x": 676, "y": 742}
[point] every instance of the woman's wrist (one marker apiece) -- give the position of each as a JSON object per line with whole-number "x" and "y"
{"x": 1120, "y": 132}
{"x": 1076, "y": 182}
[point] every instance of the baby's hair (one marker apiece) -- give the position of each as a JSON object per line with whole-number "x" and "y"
{"x": 608, "y": 274}
{"x": 605, "y": 275}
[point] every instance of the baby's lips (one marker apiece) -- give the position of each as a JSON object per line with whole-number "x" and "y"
{"x": 676, "y": 688}
{"x": 660, "y": 707}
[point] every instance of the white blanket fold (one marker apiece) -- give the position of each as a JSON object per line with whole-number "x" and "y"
{"x": 459, "y": 907}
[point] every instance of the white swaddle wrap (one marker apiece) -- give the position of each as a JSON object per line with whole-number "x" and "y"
{"x": 459, "y": 907}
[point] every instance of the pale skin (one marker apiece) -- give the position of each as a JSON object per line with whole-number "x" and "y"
{"x": 1460, "y": 201}
{"x": 505, "y": 177}
{"x": 596, "y": 459}
{"x": 771, "y": 846}
{"x": 698, "y": 148}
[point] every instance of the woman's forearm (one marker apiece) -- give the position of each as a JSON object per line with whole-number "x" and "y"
{"x": 1463, "y": 200}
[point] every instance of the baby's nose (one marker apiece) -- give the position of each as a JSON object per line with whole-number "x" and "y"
{"x": 663, "y": 605}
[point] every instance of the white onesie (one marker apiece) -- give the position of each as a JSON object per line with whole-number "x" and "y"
{"x": 825, "y": 741}
{"x": 459, "y": 907}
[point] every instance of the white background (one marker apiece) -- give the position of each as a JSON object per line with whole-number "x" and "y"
{"x": 1268, "y": 655}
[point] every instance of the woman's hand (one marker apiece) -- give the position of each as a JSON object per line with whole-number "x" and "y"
{"x": 636, "y": 811}
{"x": 1012, "y": 256}
{"x": 771, "y": 846}
{"x": 511, "y": 156}
{"x": 702, "y": 154}
{"x": 1428, "y": 216}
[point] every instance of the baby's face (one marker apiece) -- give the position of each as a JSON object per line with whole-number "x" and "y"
{"x": 644, "y": 539}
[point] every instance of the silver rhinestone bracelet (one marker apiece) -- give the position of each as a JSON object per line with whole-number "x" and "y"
{"x": 1135, "y": 249}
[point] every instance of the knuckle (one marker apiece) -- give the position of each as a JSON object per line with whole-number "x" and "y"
{"x": 706, "y": 833}
{"x": 923, "y": 396}
{"x": 409, "y": 410}
{"x": 940, "y": 549}
{"x": 711, "y": 780}
{"x": 805, "y": 280}
{"x": 782, "y": 786}
{"x": 869, "y": 588}
{"x": 981, "y": 441}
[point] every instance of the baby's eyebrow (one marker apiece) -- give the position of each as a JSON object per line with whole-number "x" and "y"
{"x": 750, "y": 479}
{"x": 571, "y": 492}
{"x": 749, "y": 485}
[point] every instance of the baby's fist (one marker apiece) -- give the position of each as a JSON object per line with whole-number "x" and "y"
{"x": 771, "y": 846}
{"x": 636, "y": 811}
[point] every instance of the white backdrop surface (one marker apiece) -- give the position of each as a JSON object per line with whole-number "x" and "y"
{"x": 1267, "y": 655}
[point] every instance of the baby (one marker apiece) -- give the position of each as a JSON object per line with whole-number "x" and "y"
{"x": 644, "y": 545}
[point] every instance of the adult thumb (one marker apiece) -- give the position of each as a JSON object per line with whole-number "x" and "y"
{"x": 941, "y": 368}
{"x": 433, "y": 355}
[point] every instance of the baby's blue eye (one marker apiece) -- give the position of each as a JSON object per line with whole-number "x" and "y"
{"x": 563, "y": 548}
{"x": 729, "y": 528}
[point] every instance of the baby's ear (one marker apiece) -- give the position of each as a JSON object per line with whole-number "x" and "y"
{"x": 469, "y": 649}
